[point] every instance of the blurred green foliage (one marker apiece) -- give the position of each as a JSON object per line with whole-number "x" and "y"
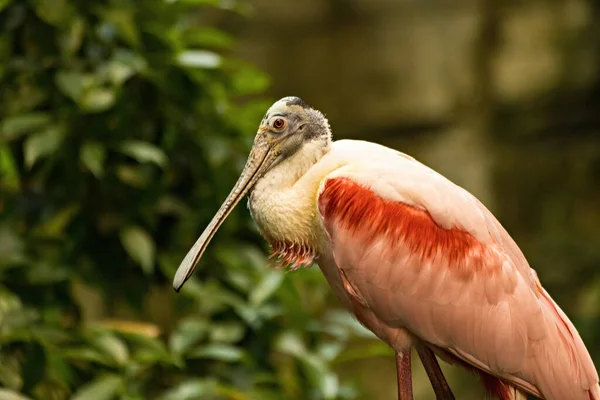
{"x": 122, "y": 127}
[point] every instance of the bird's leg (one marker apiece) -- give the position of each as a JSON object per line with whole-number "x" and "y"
{"x": 404, "y": 375}
{"x": 434, "y": 372}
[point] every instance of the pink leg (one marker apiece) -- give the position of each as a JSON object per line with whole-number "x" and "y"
{"x": 434, "y": 372}
{"x": 404, "y": 375}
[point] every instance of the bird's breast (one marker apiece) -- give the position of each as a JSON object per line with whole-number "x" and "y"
{"x": 281, "y": 214}
{"x": 287, "y": 216}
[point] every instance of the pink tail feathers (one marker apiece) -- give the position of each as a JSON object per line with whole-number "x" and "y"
{"x": 578, "y": 361}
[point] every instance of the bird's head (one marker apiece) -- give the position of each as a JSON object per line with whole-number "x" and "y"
{"x": 287, "y": 126}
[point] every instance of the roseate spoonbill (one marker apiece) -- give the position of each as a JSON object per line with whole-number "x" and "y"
{"x": 417, "y": 259}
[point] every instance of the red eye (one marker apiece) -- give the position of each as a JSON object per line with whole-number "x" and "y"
{"x": 279, "y": 123}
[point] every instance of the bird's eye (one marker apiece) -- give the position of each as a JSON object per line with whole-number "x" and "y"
{"x": 279, "y": 123}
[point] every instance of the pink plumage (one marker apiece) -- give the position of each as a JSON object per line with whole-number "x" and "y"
{"x": 417, "y": 259}
{"x": 455, "y": 293}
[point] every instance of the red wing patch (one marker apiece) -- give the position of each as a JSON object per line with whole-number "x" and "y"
{"x": 361, "y": 210}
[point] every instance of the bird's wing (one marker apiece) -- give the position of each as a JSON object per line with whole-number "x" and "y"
{"x": 425, "y": 255}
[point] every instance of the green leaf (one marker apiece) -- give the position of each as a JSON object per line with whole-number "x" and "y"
{"x": 11, "y": 250}
{"x": 140, "y": 247}
{"x": 210, "y": 37}
{"x": 219, "y": 150}
{"x": 291, "y": 343}
{"x": 14, "y": 127}
{"x": 343, "y": 319}
{"x": 8, "y": 301}
{"x": 118, "y": 73}
{"x": 320, "y": 376}
{"x": 87, "y": 354}
{"x": 59, "y": 369}
{"x": 270, "y": 282}
{"x": 4, "y": 4}
{"x": 42, "y": 144}
{"x": 10, "y": 371}
{"x": 6, "y": 394}
{"x": 144, "y": 152}
{"x": 173, "y": 206}
{"x": 103, "y": 388}
{"x": 49, "y": 335}
{"x": 43, "y": 272}
{"x": 111, "y": 345}
{"x": 55, "y": 226}
{"x": 55, "y": 12}
{"x": 122, "y": 66}
{"x": 97, "y": 99}
{"x": 153, "y": 354}
{"x": 191, "y": 390}
{"x": 199, "y": 59}
{"x": 368, "y": 350}
{"x": 123, "y": 19}
{"x": 187, "y": 334}
{"x": 230, "y": 332}
{"x": 72, "y": 83}
{"x": 8, "y": 170}
{"x": 15, "y": 320}
{"x": 72, "y": 38}
{"x": 130, "y": 59}
{"x": 132, "y": 175}
{"x": 216, "y": 351}
{"x": 149, "y": 350}
{"x": 330, "y": 350}
{"x": 249, "y": 80}
{"x": 314, "y": 366}
{"x": 92, "y": 155}
{"x": 248, "y": 113}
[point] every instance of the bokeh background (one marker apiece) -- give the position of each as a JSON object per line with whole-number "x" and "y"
{"x": 123, "y": 125}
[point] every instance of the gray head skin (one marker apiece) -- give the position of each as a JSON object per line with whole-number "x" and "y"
{"x": 288, "y": 125}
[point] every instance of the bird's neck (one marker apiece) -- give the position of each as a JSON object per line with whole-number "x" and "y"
{"x": 283, "y": 203}
{"x": 287, "y": 173}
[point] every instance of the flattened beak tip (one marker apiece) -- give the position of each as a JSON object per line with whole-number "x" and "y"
{"x": 178, "y": 281}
